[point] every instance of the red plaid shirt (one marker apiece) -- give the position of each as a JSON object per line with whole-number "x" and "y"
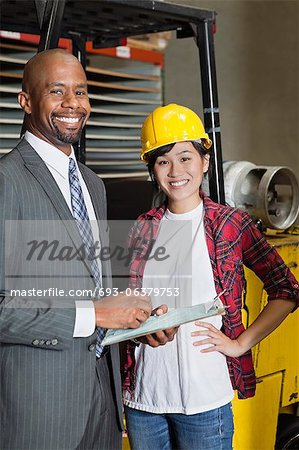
{"x": 232, "y": 240}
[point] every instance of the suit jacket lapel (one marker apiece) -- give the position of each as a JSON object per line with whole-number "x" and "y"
{"x": 41, "y": 173}
{"x": 96, "y": 201}
{"x": 98, "y": 204}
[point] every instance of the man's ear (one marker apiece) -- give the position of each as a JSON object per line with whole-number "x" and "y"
{"x": 206, "y": 162}
{"x": 24, "y": 102}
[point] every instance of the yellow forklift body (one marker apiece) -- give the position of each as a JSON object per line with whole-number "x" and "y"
{"x": 276, "y": 362}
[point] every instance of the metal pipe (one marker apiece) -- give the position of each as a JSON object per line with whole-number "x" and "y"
{"x": 51, "y": 24}
{"x": 79, "y": 50}
{"x": 205, "y": 43}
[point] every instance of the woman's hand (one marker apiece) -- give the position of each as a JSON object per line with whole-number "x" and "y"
{"x": 270, "y": 318}
{"x": 218, "y": 340}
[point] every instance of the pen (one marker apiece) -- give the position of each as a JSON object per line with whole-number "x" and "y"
{"x": 218, "y": 303}
{"x": 219, "y": 295}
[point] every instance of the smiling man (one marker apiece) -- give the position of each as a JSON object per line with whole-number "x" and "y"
{"x": 59, "y": 389}
{"x": 54, "y": 98}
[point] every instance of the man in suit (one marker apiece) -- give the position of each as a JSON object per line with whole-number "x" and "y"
{"x": 56, "y": 391}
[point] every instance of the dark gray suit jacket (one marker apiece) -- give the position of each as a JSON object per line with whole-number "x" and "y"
{"x": 47, "y": 376}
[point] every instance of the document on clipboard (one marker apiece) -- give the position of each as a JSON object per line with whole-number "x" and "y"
{"x": 172, "y": 318}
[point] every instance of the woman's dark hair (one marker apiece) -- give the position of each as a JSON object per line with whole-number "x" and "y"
{"x": 160, "y": 151}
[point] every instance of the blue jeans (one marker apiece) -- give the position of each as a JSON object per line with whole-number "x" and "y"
{"x": 211, "y": 430}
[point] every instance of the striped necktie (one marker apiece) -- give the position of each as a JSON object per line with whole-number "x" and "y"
{"x": 82, "y": 220}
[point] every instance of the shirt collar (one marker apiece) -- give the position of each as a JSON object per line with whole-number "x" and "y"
{"x": 158, "y": 213}
{"x": 51, "y": 155}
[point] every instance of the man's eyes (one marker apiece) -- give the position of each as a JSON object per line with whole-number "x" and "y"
{"x": 56, "y": 91}
{"x": 79, "y": 93}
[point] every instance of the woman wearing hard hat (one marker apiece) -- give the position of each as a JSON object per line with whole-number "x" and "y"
{"x": 179, "y": 395}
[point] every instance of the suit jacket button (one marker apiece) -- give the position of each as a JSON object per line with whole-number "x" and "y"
{"x": 35, "y": 342}
{"x": 48, "y": 342}
{"x": 54, "y": 341}
{"x": 92, "y": 347}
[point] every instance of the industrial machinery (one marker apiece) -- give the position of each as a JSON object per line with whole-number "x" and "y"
{"x": 267, "y": 193}
{"x": 270, "y": 194}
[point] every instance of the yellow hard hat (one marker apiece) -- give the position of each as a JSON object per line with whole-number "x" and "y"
{"x": 170, "y": 124}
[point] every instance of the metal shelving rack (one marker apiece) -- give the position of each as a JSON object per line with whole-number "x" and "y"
{"x": 121, "y": 97}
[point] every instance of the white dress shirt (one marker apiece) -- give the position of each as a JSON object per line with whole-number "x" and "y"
{"x": 58, "y": 164}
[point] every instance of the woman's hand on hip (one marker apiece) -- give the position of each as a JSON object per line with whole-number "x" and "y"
{"x": 217, "y": 341}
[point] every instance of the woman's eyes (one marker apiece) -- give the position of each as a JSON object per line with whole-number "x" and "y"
{"x": 182, "y": 159}
{"x": 161, "y": 162}
{"x": 185, "y": 159}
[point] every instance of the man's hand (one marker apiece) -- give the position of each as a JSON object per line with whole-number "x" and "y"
{"x": 160, "y": 337}
{"x": 122, "y": 311}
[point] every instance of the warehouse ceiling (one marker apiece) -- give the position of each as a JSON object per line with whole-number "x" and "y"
{"x": 104, "y": 21}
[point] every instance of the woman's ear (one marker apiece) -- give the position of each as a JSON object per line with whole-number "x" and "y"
{"x": 206, "y": 162}
{"x": 24, "y": 102}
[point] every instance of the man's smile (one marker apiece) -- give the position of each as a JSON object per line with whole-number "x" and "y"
{"x": 68, "y": 119}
